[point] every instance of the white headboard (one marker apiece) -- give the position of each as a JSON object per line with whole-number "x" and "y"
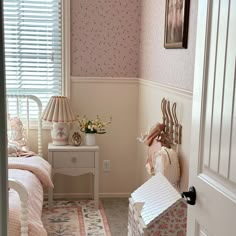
{"x": 26, "y": 101}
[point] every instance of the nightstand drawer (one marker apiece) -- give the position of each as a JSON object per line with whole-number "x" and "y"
{"x": 73, "y": 159}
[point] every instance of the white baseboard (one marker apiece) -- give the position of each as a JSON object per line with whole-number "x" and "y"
{"x": 87, "y": 195}
{"x": 114, "y": 195}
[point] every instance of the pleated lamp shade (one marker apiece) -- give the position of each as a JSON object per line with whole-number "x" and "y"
{"x": 59, "y": 112}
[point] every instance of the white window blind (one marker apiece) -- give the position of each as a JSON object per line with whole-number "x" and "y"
{"x": 33, "y": 47}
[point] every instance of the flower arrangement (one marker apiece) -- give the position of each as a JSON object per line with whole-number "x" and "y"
{"x": 92, "y": 126}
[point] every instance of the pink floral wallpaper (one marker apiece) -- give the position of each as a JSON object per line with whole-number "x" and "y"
{"x": 172, "y": 67}
{"x": 105, "y": 37}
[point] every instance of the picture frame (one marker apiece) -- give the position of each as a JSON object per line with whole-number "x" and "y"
{"x": 176, "y": 23}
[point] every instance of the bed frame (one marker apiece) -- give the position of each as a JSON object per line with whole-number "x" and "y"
{"x": 18, "y": 100}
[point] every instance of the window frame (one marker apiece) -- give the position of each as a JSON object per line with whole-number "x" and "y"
{"x": 66, "y": 48}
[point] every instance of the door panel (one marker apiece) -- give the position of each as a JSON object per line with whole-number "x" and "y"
{"x": 232, "y": 171}
{"x": 201, "y": 231}
{"x": 213, "y": 155}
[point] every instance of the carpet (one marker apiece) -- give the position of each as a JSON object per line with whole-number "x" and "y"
{"x": 75, "y": 218}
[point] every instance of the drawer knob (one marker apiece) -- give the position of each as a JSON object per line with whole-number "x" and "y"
{"x": 73, "y": 159}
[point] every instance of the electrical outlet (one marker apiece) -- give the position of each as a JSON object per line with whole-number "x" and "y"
{"x": 106, "y": 165}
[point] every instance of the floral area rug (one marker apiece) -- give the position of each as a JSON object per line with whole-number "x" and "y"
{"x": 75, "y": 218}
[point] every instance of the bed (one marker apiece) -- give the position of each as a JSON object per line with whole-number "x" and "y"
{"x": 28, "y": 172}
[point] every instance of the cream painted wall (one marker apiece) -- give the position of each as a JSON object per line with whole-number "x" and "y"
{"x": 134, "y": 105}
{"x": 116, "y": 97}
{"x": 150, "y": 96}
{"x": 108, "y": 97}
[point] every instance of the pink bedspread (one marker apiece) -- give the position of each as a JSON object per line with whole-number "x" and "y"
{"x": 33, "y": 173}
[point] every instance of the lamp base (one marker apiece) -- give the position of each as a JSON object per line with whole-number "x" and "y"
{"x": 60, "y": 134}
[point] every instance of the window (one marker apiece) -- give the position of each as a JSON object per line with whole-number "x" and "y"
{"x": 33, "y": 47}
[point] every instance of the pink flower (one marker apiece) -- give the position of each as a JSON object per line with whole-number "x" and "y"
{"x": 163, "y": 225}
{"x": 180, "y": 233}
{"x": 157, "y": 233}
{"x": 180, "y": 213}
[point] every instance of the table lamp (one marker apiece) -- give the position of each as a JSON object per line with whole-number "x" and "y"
{"x": 59, "y": 112}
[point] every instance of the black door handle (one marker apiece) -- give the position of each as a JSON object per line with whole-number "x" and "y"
{"x": 190, "y": 196}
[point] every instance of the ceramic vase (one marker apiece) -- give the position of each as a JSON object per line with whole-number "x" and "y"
{"x": 60, "y": 134}
{"x": 90, "y": 139}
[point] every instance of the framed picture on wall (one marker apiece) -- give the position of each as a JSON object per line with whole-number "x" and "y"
{"x": 176, "y": 23}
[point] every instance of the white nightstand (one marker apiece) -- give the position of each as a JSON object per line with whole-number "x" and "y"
{"x": 74, "y": 161}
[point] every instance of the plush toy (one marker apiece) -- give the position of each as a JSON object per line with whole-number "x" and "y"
{"x": 156, "y": 132}
{"x": 12, "y": 150}
{"x": 164, "y": 160}
{"x": 17, "y": 135}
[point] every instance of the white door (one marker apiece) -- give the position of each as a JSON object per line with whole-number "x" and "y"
{"x": 213, "y": 149}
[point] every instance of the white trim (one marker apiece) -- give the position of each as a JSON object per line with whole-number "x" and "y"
{"x": 132, "y": 80}
{"x": 66, "y": 47}
{"x": 86, "y": 195}
{"x": 79, "y": 79}
{"x": 114, "y": 195}
{"x": 168, "y": 88}
{"x": 69, "y": 195}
